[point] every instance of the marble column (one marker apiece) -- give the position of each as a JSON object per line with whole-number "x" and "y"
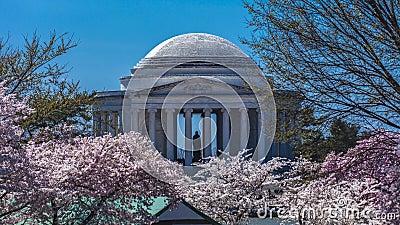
{"x": 261, "y": 137}
{"x": 120, "y": 122}
{"x": 207, "y": 132}
{"x": 97, "y": 123}
{"x": 152, "y": 124}
{"x": 170, "y": 134}
{"x": 104, "y": 122}
{"x": 188, "y": 135}
{"x": 226, "y": 128}
{"x": 135, "y": 120}
{"x": 113, "y": 122}
{"x": 243, "y": 128}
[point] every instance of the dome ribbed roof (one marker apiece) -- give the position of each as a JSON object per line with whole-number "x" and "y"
{"x": 196, "y": 45}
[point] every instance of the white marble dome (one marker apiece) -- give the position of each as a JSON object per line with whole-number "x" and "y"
{"x": 196, "y": 45}
{"x": 193, "y": 55}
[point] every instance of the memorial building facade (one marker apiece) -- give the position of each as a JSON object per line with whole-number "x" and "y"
{"x": 192, "y": 95}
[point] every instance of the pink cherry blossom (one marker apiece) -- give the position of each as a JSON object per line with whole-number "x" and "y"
{"x": 376, "y": 160}
{"x": 57, "y": 178}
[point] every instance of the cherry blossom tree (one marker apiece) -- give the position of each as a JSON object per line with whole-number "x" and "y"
{"x": 323, "y": 202}
{"x": 60, "y": 178}
{"x": 33, "y": 69}
{"x": 231, "y": 187}
{"x": 15, "y": 180}
{"x": 94, "y": 179}
{"x": 310, "y": 198}
{"x": 360, "y": 186}
{"x": 377, "y": 160}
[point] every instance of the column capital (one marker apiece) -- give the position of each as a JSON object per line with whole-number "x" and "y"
{"x": 134, "y": 110}
{"x": 243, "y": 109}
{"x": 226, "y": 110}
{"x": 169, "y": 110}
{"x": 207, "y": 110}
{"x": 187, "y": 110}
{"x": 152, "y": 110}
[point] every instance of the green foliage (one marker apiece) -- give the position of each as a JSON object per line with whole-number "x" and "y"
{"x": 312, "y": 137}
{"x": 294, "y": 123}
{"x": 317, "y": 146}
{"x": 32, "y": 71}
{"x": 343, "y": 136}
{"x": 60, "y": 104}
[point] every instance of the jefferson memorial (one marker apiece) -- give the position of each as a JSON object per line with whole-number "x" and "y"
{"x": 195, "y": 95}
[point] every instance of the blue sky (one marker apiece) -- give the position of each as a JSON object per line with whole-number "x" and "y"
{"x": 114, "y": 35}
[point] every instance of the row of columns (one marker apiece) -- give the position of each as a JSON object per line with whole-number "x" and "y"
{"x": 111, "y": 122}
{"x": 170, "y": 131}
{"x": 206, "y": 132}
{"x": 107, "y": 122}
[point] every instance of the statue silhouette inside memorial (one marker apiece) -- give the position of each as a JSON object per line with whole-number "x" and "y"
{"x": 196, "y": 147}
